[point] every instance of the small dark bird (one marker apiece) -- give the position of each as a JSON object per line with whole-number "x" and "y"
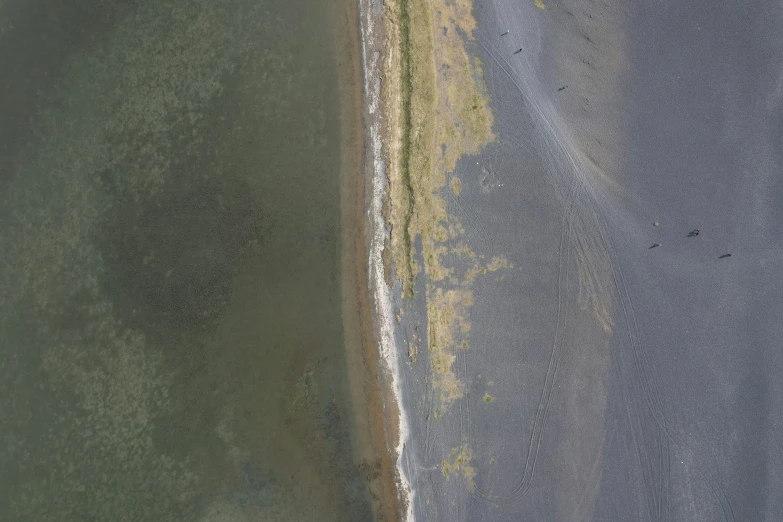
{"x": 562, "y": 88}
{"x": 695, "y": 232}
{"x": 724, "y": 256}
{"x": 655, "y": 245}
{"x": 518, "y": 51}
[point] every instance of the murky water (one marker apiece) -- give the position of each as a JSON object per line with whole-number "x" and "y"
{"x": 169, "y": 283}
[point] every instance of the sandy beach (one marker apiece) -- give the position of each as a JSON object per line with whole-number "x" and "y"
{"x": 560, "y": 346}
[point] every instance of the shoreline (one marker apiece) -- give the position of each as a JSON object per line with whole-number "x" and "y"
{"x": 375, "y": 426}
{"x": 420, "y": 120}
{"x": 373, "y": 43}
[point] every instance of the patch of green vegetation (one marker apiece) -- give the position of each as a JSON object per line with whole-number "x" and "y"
{"x": 459, "y": 462}
{"x": 456, "y": 184}
{"x": 416, "y": 207}
{"x": 488, "y": 398}
{"x": 407, "y": 188}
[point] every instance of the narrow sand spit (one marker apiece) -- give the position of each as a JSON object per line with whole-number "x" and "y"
{"x": 378, "y": 239}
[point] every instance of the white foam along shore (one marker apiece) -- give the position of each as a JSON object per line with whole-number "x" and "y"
{"x": 382, "y": 297}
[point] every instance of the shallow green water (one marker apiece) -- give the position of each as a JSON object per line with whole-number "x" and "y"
{"x": 169, "y": 290}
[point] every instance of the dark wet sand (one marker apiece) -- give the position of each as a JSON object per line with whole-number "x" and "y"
{"x": 628, "y": 383}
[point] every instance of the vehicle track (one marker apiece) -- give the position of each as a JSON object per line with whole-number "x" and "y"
{"x": 649, "y": 394}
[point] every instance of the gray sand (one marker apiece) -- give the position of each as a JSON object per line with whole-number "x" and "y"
{"x": 629, "y": 383}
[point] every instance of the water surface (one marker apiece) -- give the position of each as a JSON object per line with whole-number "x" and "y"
{"x": 172, "y": 344}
